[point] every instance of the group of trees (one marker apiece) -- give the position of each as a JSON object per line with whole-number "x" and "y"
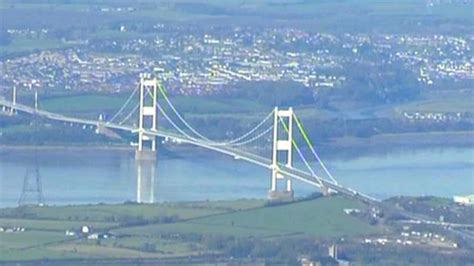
{"x": 400, "y": 255}
{"x": 46, "y": 134}
{"x": 436, "y": 207}
{"x": 324, "y": 130}
{"x": 368, "y": 84}
{"x": 277, "y": 251}
{"x": 281, "y": 93}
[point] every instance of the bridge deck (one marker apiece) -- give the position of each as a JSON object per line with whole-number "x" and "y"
{"x": 252, "y": 158}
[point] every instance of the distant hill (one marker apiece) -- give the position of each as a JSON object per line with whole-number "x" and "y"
{"x": 337, "y": 15}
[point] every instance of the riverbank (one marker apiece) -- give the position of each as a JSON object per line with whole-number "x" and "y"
{"x": 68, "y": 147}
{"x": 442, "y": 139}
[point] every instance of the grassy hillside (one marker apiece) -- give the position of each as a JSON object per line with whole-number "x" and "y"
{"x": 50, "y": 225}
{"x": 318, "y": 218}
{"x": 121, "y": 212}
{"x": 43, "y": 237}
{"x": 345, "y": 15}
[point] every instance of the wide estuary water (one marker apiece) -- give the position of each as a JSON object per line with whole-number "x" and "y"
{"x": 76, "y": 176}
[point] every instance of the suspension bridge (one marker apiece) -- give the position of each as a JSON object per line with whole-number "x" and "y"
{"x": 141, "y": 114}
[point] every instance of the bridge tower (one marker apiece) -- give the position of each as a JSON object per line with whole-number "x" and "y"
{"x": 147, "y": 119}
{"x": 282, "y": 153}
{"x": 12, "y": 110}
{"x": 36, "y": 100}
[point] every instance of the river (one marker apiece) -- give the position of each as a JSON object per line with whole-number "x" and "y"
{"x": 92, "y": 175}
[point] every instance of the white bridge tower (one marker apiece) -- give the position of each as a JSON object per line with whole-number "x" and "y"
{"x": 12, "y": 110}
{"x": 282, "y": 154}
{"x": 147, "y": 119}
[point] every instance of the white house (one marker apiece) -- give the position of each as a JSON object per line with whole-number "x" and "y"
{"x": 86, "y": 229}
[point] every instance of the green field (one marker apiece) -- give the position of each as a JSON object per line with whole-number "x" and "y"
{"x": 121, "y": 212}
{"x": 44, "y": 237}
{"x": 165, "y": 246}
{"x": 112, "y": 102}
{"x": 38, "y": 253}
{"x": 19, "y": 45}
{"x": 318, "y": 218}
{"x": 17, "y": 240}
{"x": 87, "y": 103}
{"x": 451, "y": 104}
{"x": 99, "y": 251}
{"x": 51, "y": 225}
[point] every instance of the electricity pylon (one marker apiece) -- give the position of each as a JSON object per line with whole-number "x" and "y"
{"x": 32, "y": 192}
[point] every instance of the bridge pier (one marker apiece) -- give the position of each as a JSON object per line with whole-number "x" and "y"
{"x": 145, "y": 181}
{"x": 280, "y": 196}
{"x": 145, "y": 155}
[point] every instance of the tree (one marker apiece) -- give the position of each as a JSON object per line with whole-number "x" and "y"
{"x": 282, "y": 93}
{"x": 380, "y": 84}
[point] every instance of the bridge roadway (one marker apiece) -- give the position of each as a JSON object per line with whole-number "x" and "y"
{"x": 245, "y": 156}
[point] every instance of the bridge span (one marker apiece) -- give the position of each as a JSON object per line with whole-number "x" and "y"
{"x": 280, "y": 170}
{"x": 285, "y": 123}
{"x": 297, "y": 174}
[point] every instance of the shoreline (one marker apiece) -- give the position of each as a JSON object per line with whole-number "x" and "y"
{"x": 415, "y": 139}
{"x": 67, "y": 147}
{"x": 178, "y": 202}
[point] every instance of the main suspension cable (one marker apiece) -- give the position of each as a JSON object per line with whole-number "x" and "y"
{"x": 211, "y": 142}
{"x": 129, "y": 114}
{"x": 178, "y": 114}
{"x": 173, "y": 124}
{"x": 308, "y": 142}
{"x": 180, "y": 130}
{"x": 254, "y": 138}
{"x": 293, "y": 142}
{"x": 124, "y": 105}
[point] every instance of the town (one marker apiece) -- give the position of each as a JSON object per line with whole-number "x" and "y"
{"x": 206, "y": 63}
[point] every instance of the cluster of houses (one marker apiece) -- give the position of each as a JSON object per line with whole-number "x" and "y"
{"x": 11, "y": 229}
{"x": 434, "y": 116}
{"x": 87, "y": 231}
{"x": 408, "y": 238}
